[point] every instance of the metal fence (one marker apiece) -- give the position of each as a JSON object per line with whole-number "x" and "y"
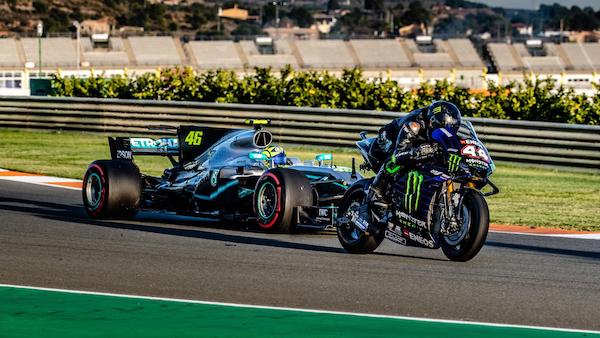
{"x": 538, "y": 143}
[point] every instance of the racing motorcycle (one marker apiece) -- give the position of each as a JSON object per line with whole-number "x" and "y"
{"x": 436, "y": 202}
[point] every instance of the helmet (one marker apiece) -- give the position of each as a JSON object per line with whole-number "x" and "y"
{"x": 275, "y": 154}
{"x": 443, "y": 114}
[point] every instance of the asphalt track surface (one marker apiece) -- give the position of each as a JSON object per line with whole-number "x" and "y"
{"x": 46, "y": 240}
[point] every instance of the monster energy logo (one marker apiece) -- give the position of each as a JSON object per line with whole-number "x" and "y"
{"x": 413, "y": 191}
{"x": 453, "y": 162}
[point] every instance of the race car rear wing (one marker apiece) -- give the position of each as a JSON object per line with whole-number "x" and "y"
{"x": 191, "y": 141}
{"x": 126, "y": 147}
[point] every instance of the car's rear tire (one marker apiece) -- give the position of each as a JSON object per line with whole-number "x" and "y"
{"x": 112, "y": 189}
{"x": 278, "y": 192}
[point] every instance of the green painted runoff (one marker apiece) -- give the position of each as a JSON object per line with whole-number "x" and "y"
{"x": 37, "y": 313}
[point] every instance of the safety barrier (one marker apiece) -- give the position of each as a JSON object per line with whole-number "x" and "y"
{"x": 537, "y": 143}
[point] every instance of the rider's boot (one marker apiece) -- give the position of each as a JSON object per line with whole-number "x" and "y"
{"x": 378, "y": 192}
{"x": 377, "y": 196}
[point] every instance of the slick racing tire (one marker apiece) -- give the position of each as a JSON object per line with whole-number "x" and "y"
{"x": 112, "y": 189}
{"x": 475, "y": 212}
{"x": 278, "y": 192}
{"x": 353, "y": 239}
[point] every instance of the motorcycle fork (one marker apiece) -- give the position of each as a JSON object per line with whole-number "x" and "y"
{"x": 450, "y": 214}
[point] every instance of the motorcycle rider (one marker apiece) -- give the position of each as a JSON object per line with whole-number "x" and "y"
{"x": 408, "y": 139}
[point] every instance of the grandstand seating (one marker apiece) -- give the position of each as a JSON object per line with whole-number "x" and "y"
{"x": 282, "y": 57}
{"x": 503, "y": 57}
{"x": 406, "y": 60}
{"x": 215, "y": 54}
{"x": 115, "y": 55}
{"x": 154, "y": 50}
{"x": 543, "y": 63}
{"x": 592, "y": 50}
{"x": 517, "y": 58}
{"x": 324, "y": 53}
{"x": 433, "y": 60}
{"x": 282, "y": 46}
{"x": 577, "y": 56}
{"x": 380, "y": 53}
{"x": 521, "y": 50}
{"x": 411, "y": 46}
{"x": 465, "y": 52}
{"x": 9, "y": 56}
{"x": 56, "y": 52}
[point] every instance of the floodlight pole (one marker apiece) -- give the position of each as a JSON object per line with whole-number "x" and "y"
{"x": 78, "y": 34}
{"x": 40, "y": 31}
{"x": 276, "y": 19}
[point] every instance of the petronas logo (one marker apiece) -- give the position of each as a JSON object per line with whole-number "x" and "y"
{"x": 413, "y": 191}
{"x": 453, "y": 162}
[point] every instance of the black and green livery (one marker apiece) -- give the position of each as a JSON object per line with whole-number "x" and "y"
{"x": 228, "y": 174}
{"x": 435, "y": 203}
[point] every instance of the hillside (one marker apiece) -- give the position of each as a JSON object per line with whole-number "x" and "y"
{"x": 22, "y": 16}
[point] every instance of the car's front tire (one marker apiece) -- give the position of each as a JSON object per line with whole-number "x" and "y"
{"x": 278, "y": 192}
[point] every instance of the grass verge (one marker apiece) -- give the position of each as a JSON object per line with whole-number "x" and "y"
{"x": 529, "y": 196}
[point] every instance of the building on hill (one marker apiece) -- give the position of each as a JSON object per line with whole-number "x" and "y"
{"x": 237, "y": 13}
{"x": 100, "y": 26}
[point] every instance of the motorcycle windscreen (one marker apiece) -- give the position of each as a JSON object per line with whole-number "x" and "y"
{"x": 447, "y": 139}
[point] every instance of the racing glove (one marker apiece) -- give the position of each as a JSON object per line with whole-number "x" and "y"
{"x": 422, "y": 152}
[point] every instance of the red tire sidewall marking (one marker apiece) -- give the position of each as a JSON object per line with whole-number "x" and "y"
{"x": 104, "y": 189}
{"x": 278, "y": 209}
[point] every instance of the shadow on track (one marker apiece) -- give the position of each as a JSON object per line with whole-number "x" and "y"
{"x": 76, "y": 214}
{"x": 554, "y": 251}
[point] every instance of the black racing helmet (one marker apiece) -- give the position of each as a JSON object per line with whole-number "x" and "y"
{"x": 443, "y": 114}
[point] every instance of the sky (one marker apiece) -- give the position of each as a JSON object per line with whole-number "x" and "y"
{"x": 534, "y": 4}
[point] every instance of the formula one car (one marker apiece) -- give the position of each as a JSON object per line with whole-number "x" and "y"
{"x": 227, "y": 174}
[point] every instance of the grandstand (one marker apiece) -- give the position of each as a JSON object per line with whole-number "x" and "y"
{"x": 279, "y": 54}
{"x": 323, "y": 54}
{"x": 592, "y": 51}
{"x": 215, "y": 54}
{"x": 380, "y": 54}
{"x": 407, "y": 61}
{"x": 577, "y": 56}
{"x": 57, "y": 52}
{"x": 113, "y": 55}
{"x": 468, "y": 56}
{"x": 155, "y": 51}
{"x": 503, "y": 56}
{"x": 553, "y": 58}
{"x": 9, "y": 55}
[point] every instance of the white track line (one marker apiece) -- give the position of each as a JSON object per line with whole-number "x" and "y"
{"x": 249, "y": 306}
{"x": 594, "y": 236}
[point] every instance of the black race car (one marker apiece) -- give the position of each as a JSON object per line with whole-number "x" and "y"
{"x": 227, "y": 174}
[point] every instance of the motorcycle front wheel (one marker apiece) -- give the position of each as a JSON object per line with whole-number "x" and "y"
{"x": 354, "y": 240}
{"x": 466, "y": 243}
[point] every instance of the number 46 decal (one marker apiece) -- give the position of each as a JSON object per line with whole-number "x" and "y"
{"x": 474, "y": 151}
{"x": 194, "y": 138}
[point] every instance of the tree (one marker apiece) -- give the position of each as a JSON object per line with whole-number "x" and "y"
{"x": 332, "y": 5}
{"x": 245, "y": 29}
{"x": 416, "y": 13}
{"x": 301, "y": 16}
